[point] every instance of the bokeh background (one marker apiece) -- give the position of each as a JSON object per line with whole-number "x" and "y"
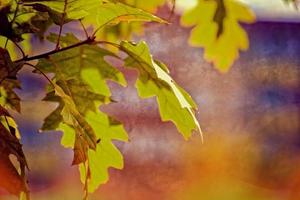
{"x": 250, "y": 118}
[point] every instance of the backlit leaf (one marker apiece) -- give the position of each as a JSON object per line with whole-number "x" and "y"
{"x": 86, "y": 63}
{"x": 174, "y": 103}
{"x": 80, "y": 76}
{"x": 114, "y": 13}
{"x": 149, "y": 6}
{"x": 84, "y": 133}
{"x": 73, "y": 9}
{"x": 106, "y": 154}
{"x": 218, "y": 31}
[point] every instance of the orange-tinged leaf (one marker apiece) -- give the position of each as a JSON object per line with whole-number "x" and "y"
{"x": 10, "y": 179}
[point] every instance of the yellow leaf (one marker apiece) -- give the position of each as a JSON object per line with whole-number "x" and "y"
{"x": 218, "y": 31}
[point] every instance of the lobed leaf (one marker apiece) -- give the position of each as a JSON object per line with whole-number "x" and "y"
{"x": 218, "y": 31}
{"x": 174, "y": 103}
{"x": 114, "y": 13}
{"x": 72, "y": 9}
{"x": 134, "y": 11}
{"x": 86, "y": 63}
{"x": 106, "y": 154}
{"x": 80, "y": 76}
{"x": 85, "y": 135}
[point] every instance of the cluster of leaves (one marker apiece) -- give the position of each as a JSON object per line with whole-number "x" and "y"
{"x": 79, "y": 83}
{"x": 80, "y": 73}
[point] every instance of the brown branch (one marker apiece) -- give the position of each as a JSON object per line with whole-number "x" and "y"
{"x": 89, "y": 40}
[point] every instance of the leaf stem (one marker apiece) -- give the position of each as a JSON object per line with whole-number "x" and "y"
{"x": 61, "y": 24}
{"x": 84, "y": 29}
{"x": 48, "y": 79}
{"x": 20, "y": 49}
{"x": 86, "y": 188}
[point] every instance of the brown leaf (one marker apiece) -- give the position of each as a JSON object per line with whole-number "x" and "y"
{"x": 10, "y": 179}
{"x": 80, "y": 150}
{"x": 3, "y": 111}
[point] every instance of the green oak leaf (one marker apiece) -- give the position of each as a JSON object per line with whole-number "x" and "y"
{"x": 84, "y": 98}
{"x": 73, "y": 9}
{"x": 93, "y": 12}
{"x": 114, "y": 26}
{"x": 80, "y": 76}
{"x": 86, "y": 63}
{"x": 154, "y": 80}
{"x": 114, "y": 13}
{"x": 84, "y": 133}
{"x": 106, "y": 154}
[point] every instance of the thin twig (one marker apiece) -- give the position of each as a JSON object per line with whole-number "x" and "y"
{"x": 48, "y": 79}
{"x": 84, "y": 29}
{"x": 61, "y": 24}
{"x": 89, "y": 40}
{"x": 20, "y": 49}
{"x": 86, "y": 188}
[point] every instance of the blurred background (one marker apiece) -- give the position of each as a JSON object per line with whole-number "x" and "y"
{"x": 250, "y": 118}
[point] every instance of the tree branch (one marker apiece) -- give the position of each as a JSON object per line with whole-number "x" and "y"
{"x": 89, "y": 40}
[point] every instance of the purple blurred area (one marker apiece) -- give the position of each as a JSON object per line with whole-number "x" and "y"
{"x": 249, "y": 116}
